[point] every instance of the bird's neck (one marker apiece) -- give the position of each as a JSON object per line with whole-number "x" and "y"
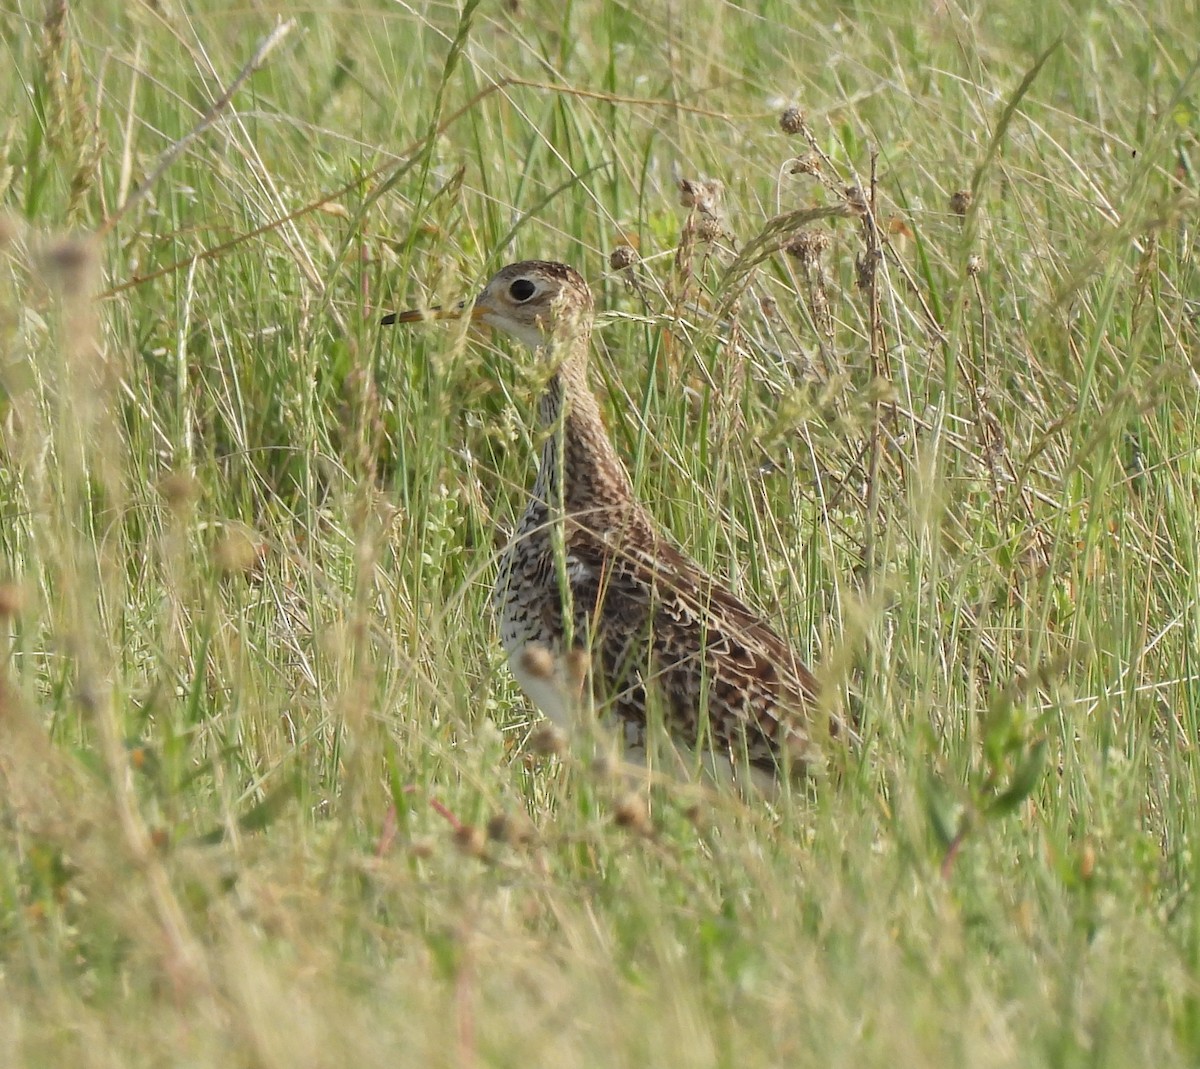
{"x": 580, "y": 471}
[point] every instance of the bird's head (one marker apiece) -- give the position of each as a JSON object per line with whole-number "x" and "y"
{"x": 538, "y": 302}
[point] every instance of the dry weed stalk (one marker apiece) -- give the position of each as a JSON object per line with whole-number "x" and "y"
{"x": 863, "y": 204}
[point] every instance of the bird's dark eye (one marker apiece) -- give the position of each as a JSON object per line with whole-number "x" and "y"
{"x": 522, "y": 290}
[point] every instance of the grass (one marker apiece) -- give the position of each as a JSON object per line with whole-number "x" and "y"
{"x": 254, "y": 726}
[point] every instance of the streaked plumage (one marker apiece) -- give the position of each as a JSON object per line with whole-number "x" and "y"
{"x": 587, "y": 569}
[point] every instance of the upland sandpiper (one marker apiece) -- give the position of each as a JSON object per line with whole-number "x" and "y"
{"x": 599, "y": 613}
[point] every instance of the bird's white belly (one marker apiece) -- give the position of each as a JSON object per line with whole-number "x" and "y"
{"x": 560, "y": 700}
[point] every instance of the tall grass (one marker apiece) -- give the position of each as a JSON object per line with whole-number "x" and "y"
{"x": 268, "y": 795}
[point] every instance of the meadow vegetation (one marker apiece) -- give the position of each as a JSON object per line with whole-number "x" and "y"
{"x": 918, "y": 377}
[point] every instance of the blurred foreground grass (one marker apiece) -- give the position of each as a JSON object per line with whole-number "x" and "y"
{"x": 266, "y": 793}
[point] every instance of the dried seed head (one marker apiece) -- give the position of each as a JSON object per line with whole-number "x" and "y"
{"x": 578, "y": 665}
{"x": 72, "y": 263}
{"x": 856, "y": 199}
{"x": 960, "y": 201}
{"x": 12, "y": 601}
{"x": 704, "y": 195}
{"x": 807, "y": 246}
{"x": 548, "y": 740}
{"x": 630, "y": 811}
{"x": 538, "y": 662}
{"x": 709, "y": 229}
{"x": 471, "y": 840}
{"x": 179, "y": 490}
{"x": 54, "y": 24}
{"x": 512, "y": 829}
{"x": 622, "y": 258}
{"x": 239, "y": 550}
{"x": 769, "y": 307}
{"x": 974, "y": 264}
{"x": 421, "y": 848}
{"x": 1087, "y": 860}
{"x": 603, "y": 767}
{"x": 810, "y": 164}
{"x": 791, "y": 121}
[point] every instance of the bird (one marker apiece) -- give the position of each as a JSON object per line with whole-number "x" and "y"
{"x": 603, "y": 618}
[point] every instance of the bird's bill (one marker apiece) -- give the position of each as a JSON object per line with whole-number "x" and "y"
{"x": 420, "y": 315}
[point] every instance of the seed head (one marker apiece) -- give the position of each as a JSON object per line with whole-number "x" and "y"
{"x": 960, "y": 201}
{"x": 632, "y": 813}
{"x": 547, "y": 740}
{"x": 704, "y": 194}
{"x": 578, "y": 665}
{"x": 810, "y": 164}
{"x": 807, "y": 246}
{"x": 179, "y": 491}
{"x": 240, "y": 550}
{"x": 1087, "y": 860}
{"x": 72, "y": 263}
{"x": 421, "y": 848}
{"x": 538, "y": 662}
{"x": 12, "y": 601}
{"x": 471, "y": 840}
{"x": 603, "y": 767}
{"x": 709, "y": 229}
{"x": 622, "y": 258}
{"x": 512, "y": 829}
{"x": 791, "y": 121}
{"x": 856, "y": 199}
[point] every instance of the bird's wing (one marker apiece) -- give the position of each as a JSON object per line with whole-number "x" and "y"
{"x": 644, "y": 602}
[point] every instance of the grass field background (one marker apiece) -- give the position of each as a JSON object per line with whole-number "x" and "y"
{"x": 268, "y": 796}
